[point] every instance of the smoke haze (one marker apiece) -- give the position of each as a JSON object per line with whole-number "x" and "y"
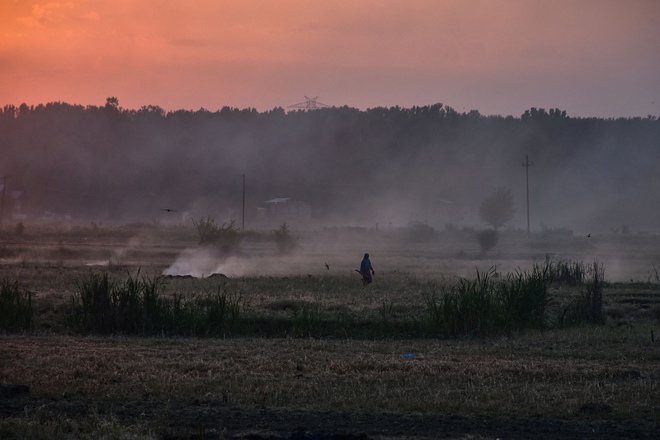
{"x": 382, "y": 166}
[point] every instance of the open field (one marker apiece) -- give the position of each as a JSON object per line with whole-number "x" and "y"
{"x": 288, "y": 371}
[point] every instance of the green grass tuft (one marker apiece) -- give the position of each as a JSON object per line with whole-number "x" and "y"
{"x": 16, "y": 311}
{"x": 138, "y": 306}
{"x": 486, "y": 306}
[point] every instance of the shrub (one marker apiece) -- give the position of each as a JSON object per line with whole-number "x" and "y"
{"x": 224, "y": 238}
{"x": 16, "y": 310}
{"x": 6, "y": 252}
{"x": 284, "y": 241}
{"x": 420, "y": 232}
{"x": 497, "y": 208}
{"x": 487, "y": 239}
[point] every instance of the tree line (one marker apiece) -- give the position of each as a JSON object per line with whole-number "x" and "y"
{"x": 429, "y": 162}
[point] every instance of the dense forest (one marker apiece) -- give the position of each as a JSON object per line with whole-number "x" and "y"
{"x": 383, "y": 165}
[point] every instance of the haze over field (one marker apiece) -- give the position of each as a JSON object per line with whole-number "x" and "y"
{"x": 387, "y": 166}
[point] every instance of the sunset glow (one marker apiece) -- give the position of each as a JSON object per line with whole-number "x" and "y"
{"x": 589, "y": 57}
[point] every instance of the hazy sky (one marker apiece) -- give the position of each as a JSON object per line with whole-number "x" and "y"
{"x": 588, "y": 57}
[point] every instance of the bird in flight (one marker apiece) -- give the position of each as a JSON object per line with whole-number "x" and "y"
{"x": 326, "y": 266}
{"x": 168, "y": 210}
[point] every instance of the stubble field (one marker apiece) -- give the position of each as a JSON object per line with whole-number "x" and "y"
{"x": 317, "y": 355}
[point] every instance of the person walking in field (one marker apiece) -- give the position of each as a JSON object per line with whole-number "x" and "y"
{"x": 366, "y": 270}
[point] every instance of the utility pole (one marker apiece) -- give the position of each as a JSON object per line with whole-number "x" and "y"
{"x": 2, "y": 204}
{"x": 527, "y": 164}
{"x": 243, "y": 201}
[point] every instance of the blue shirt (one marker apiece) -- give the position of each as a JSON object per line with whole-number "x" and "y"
{"x": 365, "y": 267}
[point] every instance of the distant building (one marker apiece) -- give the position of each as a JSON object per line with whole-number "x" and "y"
{"x": 56, "y": 217}
{"x": 284, "y": 210}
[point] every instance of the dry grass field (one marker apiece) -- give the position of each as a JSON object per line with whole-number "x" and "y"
{"x": 318, "y": 355}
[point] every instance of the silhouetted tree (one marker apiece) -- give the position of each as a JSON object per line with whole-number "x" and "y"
{"x": 497, "y": 208}
{"x": 487, "y": 239}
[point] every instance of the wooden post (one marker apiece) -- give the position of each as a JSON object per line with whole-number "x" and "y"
{"x": 527, "y": 164}
{"x": 2, "y": 204}
{"x": 243, "y": 225}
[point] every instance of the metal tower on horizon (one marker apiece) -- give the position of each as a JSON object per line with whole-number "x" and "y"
{"x": 309, "y": 104}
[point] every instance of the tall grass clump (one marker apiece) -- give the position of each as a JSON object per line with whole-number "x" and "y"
{"x": 16, "y": 311}
{"x": 593, "y": 298}
{"x": 138, "y": 306}
{"x": 489, "y": 306}
{"x": 588, "y": 307}
{"x": 132, "y": 306}
{"x": 567, "y": 272}
{"x": 487, "y": 239}
{"x": 308, "y": 320}
{"x": 420, "y": 232}
{"x": 219, "y": 313}
{"x": 523, "y": 299}
{"x": 470, "y": 307}
{"x": 92, "y": 308}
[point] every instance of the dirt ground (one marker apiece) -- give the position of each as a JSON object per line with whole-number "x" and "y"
{"x": 174, "y": 420}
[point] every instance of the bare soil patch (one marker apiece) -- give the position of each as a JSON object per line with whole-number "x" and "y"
{"x": 176, "y": 420}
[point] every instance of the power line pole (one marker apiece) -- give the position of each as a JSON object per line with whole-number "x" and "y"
{"x": 2, "y": 205}
{"x": 527, "y": 164}
{"x": 243, "y": 201}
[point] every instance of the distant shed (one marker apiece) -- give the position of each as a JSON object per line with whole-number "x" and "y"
{"x": 285, "y": 209}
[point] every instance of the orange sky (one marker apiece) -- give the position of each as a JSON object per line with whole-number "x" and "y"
{"x": 588, "y": 57}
